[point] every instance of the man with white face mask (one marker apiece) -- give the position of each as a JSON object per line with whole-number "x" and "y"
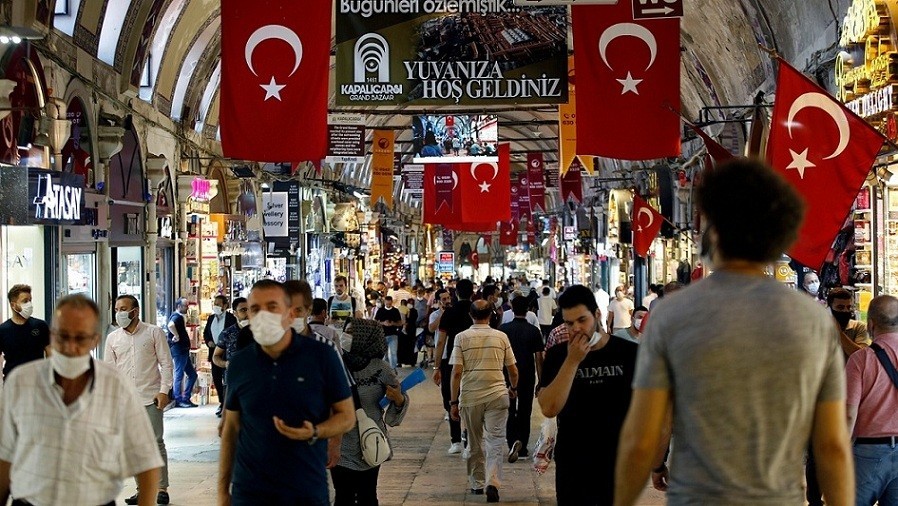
{"x": 140, "y": 352}
{"x": 219, "y": 320}
{"x": 22, "y": 338}
{"x": 620, "y": 310}
{"x": 587, "y": 385}
{"x": 634, "y": 331}
{"x": 80, "y": 413}
{"x": 286, "y": 395}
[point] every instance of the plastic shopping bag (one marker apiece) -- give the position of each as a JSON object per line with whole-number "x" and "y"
{"x": 545, "y": 446}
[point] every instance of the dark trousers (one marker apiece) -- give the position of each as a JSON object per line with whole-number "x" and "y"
{"x": 519, "y": 410}
{"x": 446, "y": 389}
{"x": 20, "y": 502}
{"x": 244, "y": 497}
{"x": 353, "y": 488}
{"x": 217, "y": 378}
{"x": 584, "y": 485}
{"x": 183, "y": 366}
{"x": 815, "y": 496}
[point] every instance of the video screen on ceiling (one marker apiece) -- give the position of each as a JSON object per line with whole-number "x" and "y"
{"x": 436, "y": 136}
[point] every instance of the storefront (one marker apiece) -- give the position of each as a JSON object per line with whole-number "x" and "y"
{"x": 79, "y": 271}
{"x": 166, "y": 230}
{"x": 282, "y": 220}
{"x": 128, "y": 194}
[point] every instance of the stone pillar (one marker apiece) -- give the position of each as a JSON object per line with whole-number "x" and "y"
{"x": 156, "y": 174}
{"x": 109, "y": 143}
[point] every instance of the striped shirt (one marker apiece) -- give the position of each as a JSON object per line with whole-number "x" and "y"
{"x": 334, "y": 346}
{"x": 483, "y": 353}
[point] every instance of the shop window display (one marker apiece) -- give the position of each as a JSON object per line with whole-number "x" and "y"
{"x": 80, "y": 274}
{"x": 23, "y": 255}
{"x": 129, "y": 272}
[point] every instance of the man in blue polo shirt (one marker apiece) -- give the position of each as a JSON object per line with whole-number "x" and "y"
{"x": 286, "y": 396}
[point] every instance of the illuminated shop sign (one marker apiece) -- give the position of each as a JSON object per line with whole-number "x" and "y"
{"x": 56, "y": 198}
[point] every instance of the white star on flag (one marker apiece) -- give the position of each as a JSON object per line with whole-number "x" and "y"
{"x": 800, "y": 162}
{"x": 484, "y": 187}
{"x": 629, "y": 84}
{"x": 272, "y": 89}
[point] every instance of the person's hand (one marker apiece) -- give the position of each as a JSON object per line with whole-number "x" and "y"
{"x": 221, "y": 424}
{"x": 512, "y": 393}
{"x": 453, "y": 413}
{"x": 536, "y": 392}
{"x": 660, "y": 480}
{"x": 437, "y": 376}
{"x": 175, "y": 339}
{"x": 333, "y": 452}
{"x": 578, "y": 347}
{"x": 210, "y": 344}
{"x": 394, "y": 393}
{"x": 303, "y": 433}
{"x": 224, "y": 499}
{"x": 161, "y": 401}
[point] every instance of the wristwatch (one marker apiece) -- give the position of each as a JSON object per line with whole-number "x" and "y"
{"x": 453, "y": 403}
{"x": 314, "y": 438}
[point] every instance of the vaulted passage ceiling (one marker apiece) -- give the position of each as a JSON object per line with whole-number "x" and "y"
{"x": 168, "y": 52}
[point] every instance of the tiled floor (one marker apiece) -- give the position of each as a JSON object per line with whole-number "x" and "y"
{"x": 421, "y": 471}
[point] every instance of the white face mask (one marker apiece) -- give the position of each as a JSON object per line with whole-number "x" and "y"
{"x": 216, "y": 310}
{"x": 69, "y": 367}
{"x": 594, "y": 340}
{"x": 266, "y": 327}
{"x": 123, "y": 318}
{"x": 814, "y": 288}
{"x": 499, "y": 302}
{"x": 345, "y": 341}
{"x": 637, "y": 322}
{"x": 27, "y": 310}
{"x": 299, "y": 325}
{"x": 243, "y": 323}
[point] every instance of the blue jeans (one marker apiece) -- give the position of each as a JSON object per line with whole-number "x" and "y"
{"x": 392, "y": 351}
{"x": 183, "y": 366}
{"x": 876, "y": 474}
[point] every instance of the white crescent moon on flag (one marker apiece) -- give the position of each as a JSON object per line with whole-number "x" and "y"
{"x": 648, "y": 213}
{"x": 454, "y": 180}
{"x": 825, "y": 104}
{"x": 632, "y": 30}
{"x": 493, "y": 165}
{"x": 273, "y": 32}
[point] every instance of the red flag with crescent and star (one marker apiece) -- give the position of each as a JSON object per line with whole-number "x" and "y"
{"x": 436, "y": 209}
{"x": 508, "y": 233}
{"x": 646, "y": 225}
{"x": 486, "y": 191}
{"x": 273, "y": 98}
{"x": 825, "y": 151}
{"x": 634, "y": 66}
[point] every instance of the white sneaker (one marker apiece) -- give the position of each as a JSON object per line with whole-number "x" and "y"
{"x": 466, "y": 454}
{"x": 455, "y": 449}
{"x": 446, "y": 417}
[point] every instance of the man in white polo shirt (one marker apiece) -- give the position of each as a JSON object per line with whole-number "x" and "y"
{"x": 140, "y": 352}
{"x": 72, "y": 428}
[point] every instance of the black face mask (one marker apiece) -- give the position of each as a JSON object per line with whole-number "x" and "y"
{"x": 842, "y": 317}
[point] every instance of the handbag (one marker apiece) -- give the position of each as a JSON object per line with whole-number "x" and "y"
{"x": 372, "y": 440}
{"x": 886, "y": 363}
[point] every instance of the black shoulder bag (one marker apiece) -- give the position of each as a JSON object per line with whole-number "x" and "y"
{"x": 886, "y": 363}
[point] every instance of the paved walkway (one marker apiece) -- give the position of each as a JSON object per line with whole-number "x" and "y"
{"x": 421, "y": 471}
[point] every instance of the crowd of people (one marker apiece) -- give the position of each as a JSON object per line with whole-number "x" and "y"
{"x": 747, "y": 400}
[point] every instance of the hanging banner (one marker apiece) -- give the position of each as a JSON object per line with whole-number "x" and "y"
{"x": 382, "y": 167}
{"x": 515, "y": 199}
{"x": 567, "y": 127}
{"x": 531, "y": 233}
{"x": 552, "y": 175}
{"x": 524, "y": 196}
{"x": 445, "y": 183}
{"x": 536, "y": 178}
{"x": 508, "y": 233}
{"x": 572, "y": 184}
{"x": 479, "y": 52}
{"x": 413, "y": 181}
{"x": 447, "y": 239}
{"x": 346, "y": 138}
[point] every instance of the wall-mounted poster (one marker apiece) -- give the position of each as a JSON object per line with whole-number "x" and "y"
{"x": 450, "y": 52}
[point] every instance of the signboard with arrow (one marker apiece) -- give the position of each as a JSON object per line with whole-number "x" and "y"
{"x": 651, "y": 9}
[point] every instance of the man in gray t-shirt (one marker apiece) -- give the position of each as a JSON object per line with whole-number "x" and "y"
{"x": 749, "y": 382}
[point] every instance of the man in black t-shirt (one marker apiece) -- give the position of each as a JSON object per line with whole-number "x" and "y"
{"x": 391, "y": 319}
{"x": 587, "y": 384}
{"x": 22, "y": 338}
{"x": 455, "y": 319}
{"x": 527, "y": 345}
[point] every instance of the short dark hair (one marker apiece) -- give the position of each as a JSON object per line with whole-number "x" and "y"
{"x": 17, "y": 290}
{"x": 489, "y": 290}
{"x": 341, "y": 278}
{"x": 319, "y": 306}
{"x": 519, "y": 306}
{"x": 546, "y": 290}
{"x": 546, "y": 282}
{"x": 389, "y": 298}
{"x": 439, "y": 293}
{"x": 181, "y": 301}
{"x": 131, "y": 298}
{"x": 220, "y": 298}
{"x": 837, "y": 293}
{"x": 295, "y": 287}
{"x": 641, "y": 308}
{"x": 464, "y": 289}
{"x": 753, "y": 210}
{"x": 237, "y": 302}
{"x": 270, "y": 284}
{"x": 78, "y": 301}
{"x": 578, "y": 295}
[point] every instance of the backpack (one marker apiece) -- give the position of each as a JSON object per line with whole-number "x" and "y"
{"x": 374, "y": 444}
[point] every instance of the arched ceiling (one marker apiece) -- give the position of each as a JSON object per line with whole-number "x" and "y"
{"x": 721, "y": 61}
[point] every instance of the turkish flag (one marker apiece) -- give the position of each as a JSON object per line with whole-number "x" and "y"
{"x": 825, "y": 151}
{"x": 717, "y": 152}
{"x": 273, "y": 95}
{"x": 508, "y": 233}
{"x": 486, "y": 188}
{"x": 646, "y": 225}
{"x": 634, "y": 66}
{"x": 450, "y": 216}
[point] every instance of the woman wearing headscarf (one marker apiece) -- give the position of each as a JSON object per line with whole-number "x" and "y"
{"x": 364, "y": 346}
